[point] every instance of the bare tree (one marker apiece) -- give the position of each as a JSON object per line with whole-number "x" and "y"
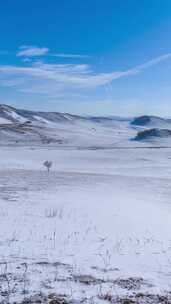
{"x": 48, "y": 165}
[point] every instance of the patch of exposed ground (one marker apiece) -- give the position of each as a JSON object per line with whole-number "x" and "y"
{"x": 137, "y": 298}
{"x": 140, "y": 298}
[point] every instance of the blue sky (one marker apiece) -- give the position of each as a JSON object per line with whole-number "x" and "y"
{"x": 100, "y": 57}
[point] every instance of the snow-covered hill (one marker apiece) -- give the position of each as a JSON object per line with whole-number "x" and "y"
{"x": 153, "y": 134}
{"x": 151, "y": 122}
{"x": 95, "y": 229}
{"x": 23, "y": 127}
{"x": 35, "y": 127}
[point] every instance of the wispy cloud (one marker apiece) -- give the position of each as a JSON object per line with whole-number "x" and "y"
{"x": 35, "y": 51}
{"x": 62, "y": 55}
{"x": 50, "y": 79}
{"x": 148, "y": 64}
{"x": 32, "y": 51}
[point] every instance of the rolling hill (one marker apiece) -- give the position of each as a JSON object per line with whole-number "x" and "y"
{"x": 25, "y": 127}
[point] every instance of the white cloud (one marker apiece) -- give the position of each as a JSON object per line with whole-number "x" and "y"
{"x": 50, "y": 79}
{"x": 62, "y": 55}
{"x": 32, "y": 51}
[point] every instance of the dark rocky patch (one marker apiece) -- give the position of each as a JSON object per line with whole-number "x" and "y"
{"x": 143, "y": 298}
{"x": 87, "y": 279}
{"x": 131, "y": 283}
{"x": 141, "y": 121}
{"x": 145, "y": 120}
{"x": 153, "y": 133}
{"x": 42, "y": 299}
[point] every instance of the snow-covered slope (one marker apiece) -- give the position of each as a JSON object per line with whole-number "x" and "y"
{"x": 33, "y": 127}
{"x": 153, "y": 134}
{"x": 96, "y": 227}
{"x": 23, "y": 127}
{"x": 152, "y": 130}
{"x": 151, "y": 122}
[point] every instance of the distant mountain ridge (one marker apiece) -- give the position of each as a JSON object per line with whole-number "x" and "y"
{"x": 18, "y": 126}
{"x": 146, "y": 120}
{"x": 26, "y": 127}
{"x": 14, "y": 115}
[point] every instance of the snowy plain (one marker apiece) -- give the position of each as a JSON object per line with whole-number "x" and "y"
{"x": 96, "y": 228}
{"x": 97, "y": 223}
